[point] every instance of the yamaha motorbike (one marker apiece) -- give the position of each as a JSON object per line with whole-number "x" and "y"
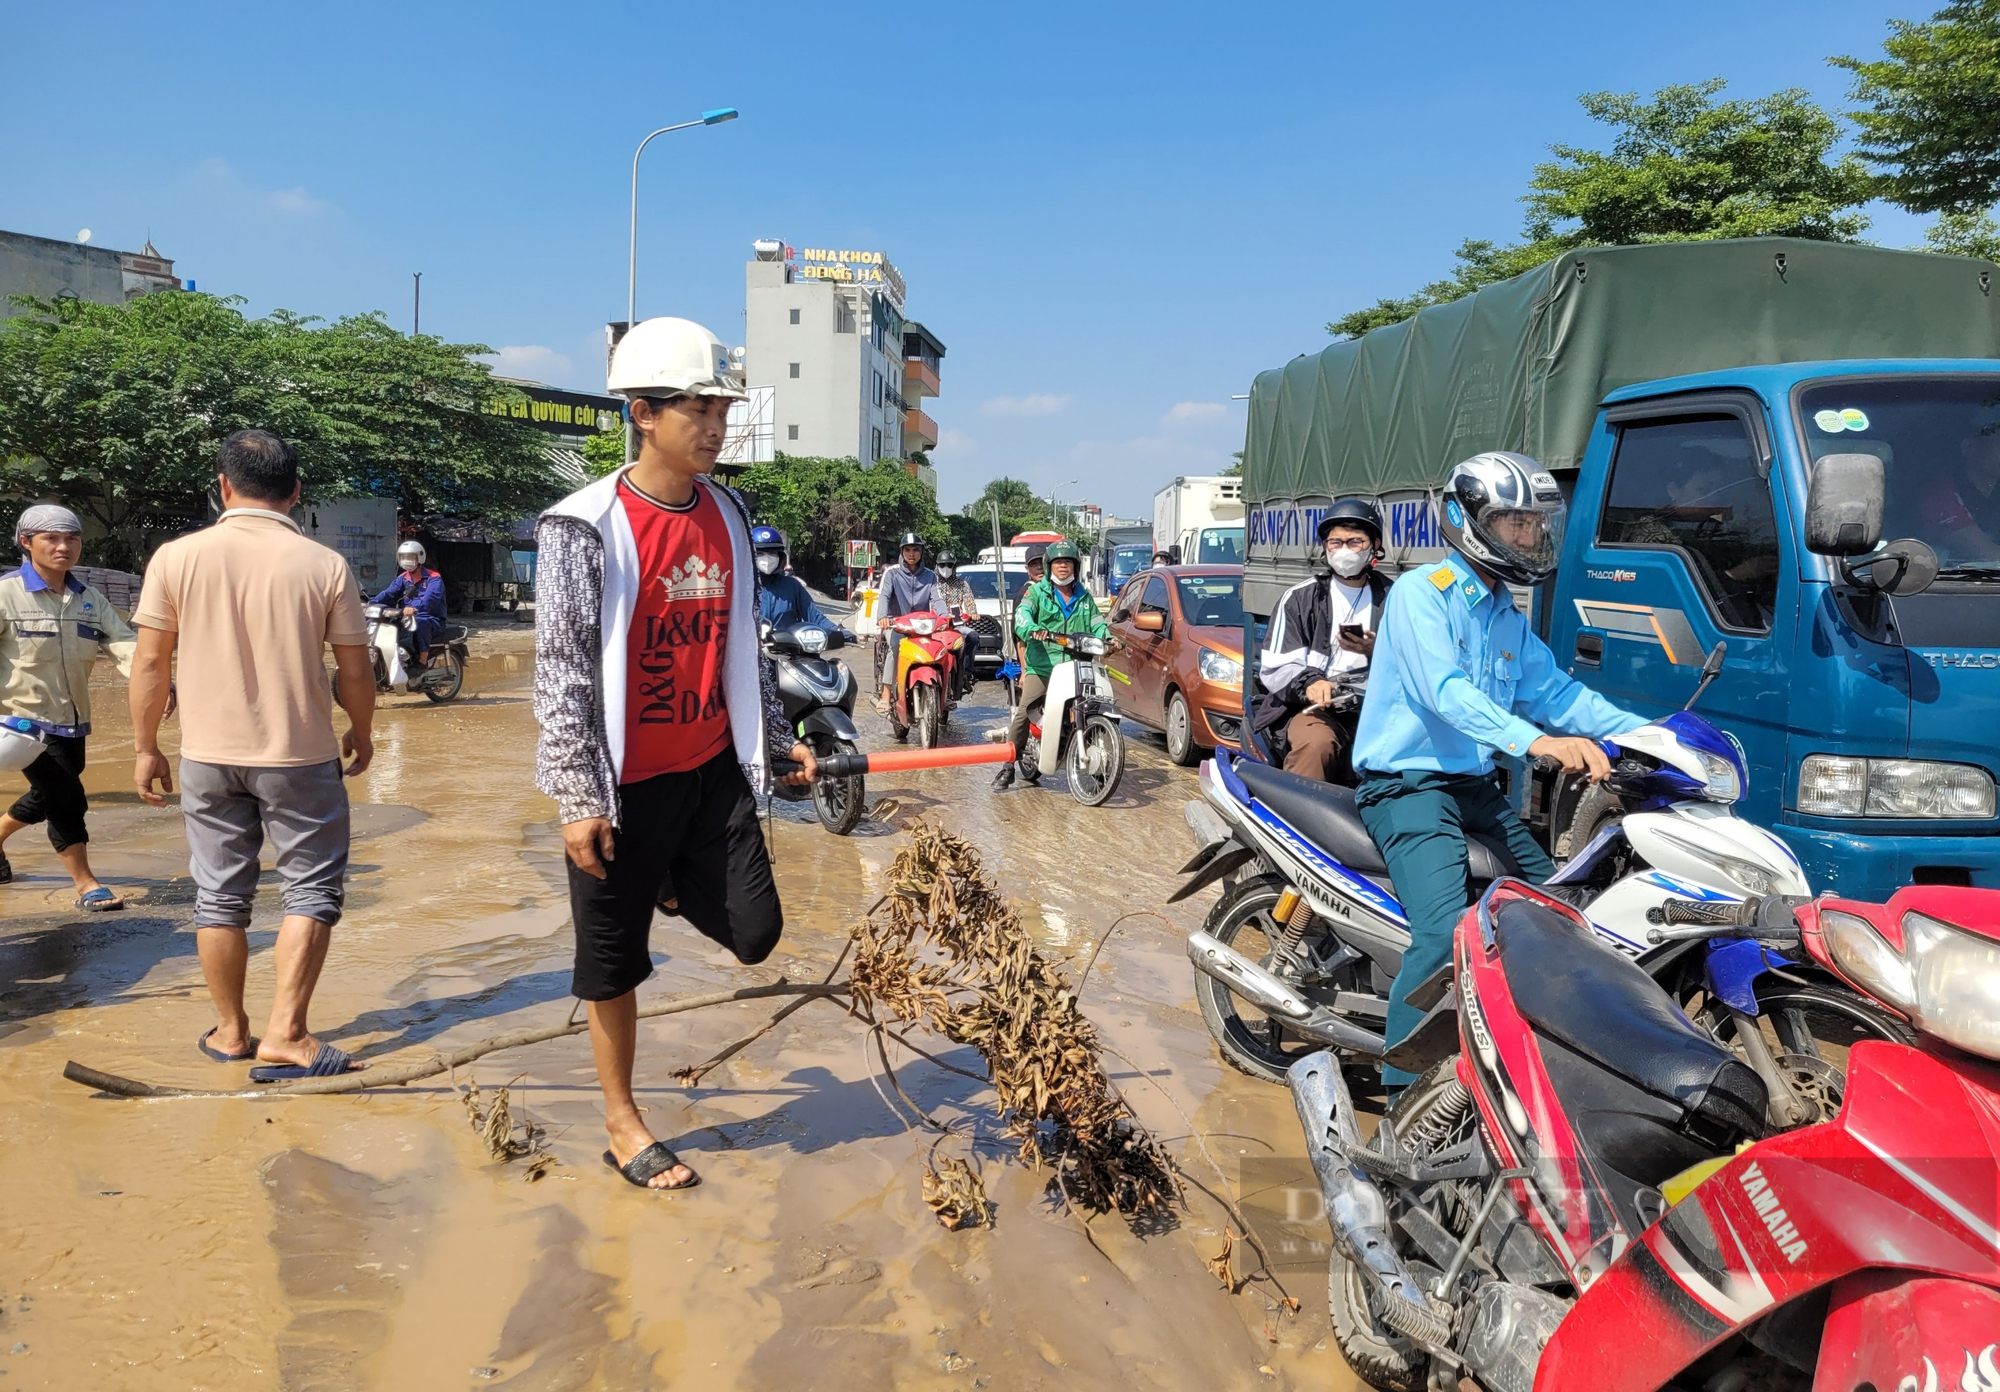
{"x": 1302, "y": 948}
{"x": 1581, "y": 1195}
{"x": 817, "y": 693}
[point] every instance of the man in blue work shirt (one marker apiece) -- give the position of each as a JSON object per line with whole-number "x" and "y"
{"x": 419, "y": 592}
{"x": 1458, "y": 676}
{"x": 784, "y": 600}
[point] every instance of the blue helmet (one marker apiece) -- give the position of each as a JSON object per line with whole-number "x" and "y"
{"x": 767, "y": 539}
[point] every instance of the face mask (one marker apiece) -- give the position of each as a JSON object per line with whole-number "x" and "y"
{"x": 1348, "y": 564}
{"x": 412, "y": 565}
{"x": 947, "y": 572}
{"x": 767, "y": 562}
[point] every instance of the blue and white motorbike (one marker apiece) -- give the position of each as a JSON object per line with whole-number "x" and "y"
{"x": 1300, "y": 951}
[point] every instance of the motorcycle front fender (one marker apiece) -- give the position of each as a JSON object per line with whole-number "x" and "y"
{"x": 831, "y": 721}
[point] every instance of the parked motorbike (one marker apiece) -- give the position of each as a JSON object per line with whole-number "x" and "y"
{"x": 1075, "y": 725}
{"x": 1582, "y": 1195}
{"x": 929, "y": 650}
{"x": 392, "y": 642}
{"x": 1302, "y": 948}
{"x": 817, "y": 694}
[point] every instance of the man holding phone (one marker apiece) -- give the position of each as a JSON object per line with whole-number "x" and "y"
{"x": 1320, "y": 642}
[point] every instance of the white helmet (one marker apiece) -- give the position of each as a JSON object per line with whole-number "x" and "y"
{"x": 672, "y": 357}
{"x": 411, "y": 548}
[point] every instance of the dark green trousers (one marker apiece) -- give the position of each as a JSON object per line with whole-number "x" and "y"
{"x": 1420, "y": 822}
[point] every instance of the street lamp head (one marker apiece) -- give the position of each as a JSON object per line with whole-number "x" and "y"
{"x": 718, "y": 116}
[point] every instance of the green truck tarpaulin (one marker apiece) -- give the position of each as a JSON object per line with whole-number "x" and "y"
{"x": 1523, "y": 365}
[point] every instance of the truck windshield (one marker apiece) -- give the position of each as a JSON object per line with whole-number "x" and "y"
{"x": 1212, "y": 601}
{"x": 981, "y": 579}
{"x": 1218, "y": 546}
{"x": 1128, "y": 561}
{"x": 1939, "y": 442}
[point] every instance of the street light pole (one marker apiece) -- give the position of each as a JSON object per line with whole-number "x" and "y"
{"x": 417, "y": 304}
{"x": 708, "y": 118}
{"x": 1052, "y": 502}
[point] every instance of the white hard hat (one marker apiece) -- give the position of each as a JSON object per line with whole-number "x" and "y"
{"x": 20, "y": 744}
{"x": 673, "y": 357}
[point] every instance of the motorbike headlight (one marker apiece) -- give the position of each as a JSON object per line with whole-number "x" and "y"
{"x": 1723, "y": 784}
{"x": 1217, "y": 668}
{"x": 923, "y": 627}
{"x": 812, "y": 640}
{"x": 1865, "y": 957}
{"x": 1957, "y": 979}
{"x": 1834, "y": 785}
{"x": 1089, "y": 647}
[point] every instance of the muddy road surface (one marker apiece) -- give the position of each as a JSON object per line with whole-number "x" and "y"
{"x": 369, "y": 1241}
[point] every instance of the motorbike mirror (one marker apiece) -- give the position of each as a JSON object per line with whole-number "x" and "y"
{"x": 1150, "y": 623}
{"x": 1903, "y": 567}
{"x": 1711, "y": 668}
{"x": 1844, "y": 505}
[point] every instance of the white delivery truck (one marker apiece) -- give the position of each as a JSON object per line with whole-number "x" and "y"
{"x": 1202, "y": 516}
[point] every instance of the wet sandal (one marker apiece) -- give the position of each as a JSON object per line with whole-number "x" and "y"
{"x": 326, "y": 1063}
{"x": 6, "y": 869}
{"x": 99, "y": 900}
{"x": 249, "y": 1052}
{"x": 655, "y": 1159}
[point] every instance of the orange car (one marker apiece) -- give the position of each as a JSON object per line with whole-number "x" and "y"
{"x": 1181, "y": 669}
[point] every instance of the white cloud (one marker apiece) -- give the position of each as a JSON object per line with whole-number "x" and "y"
{"x": 294, "y": 202}
{"x": 956, "y": 441}
{"x": 530, "y": 360}
{"x": 1033, "y": 404}
{"x": 1188, "y": 412}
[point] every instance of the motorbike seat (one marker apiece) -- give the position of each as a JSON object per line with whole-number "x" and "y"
{"x": 1571, "y": 986}
{"x": 454, "y": 633}
{"x": 1325, "y": 814}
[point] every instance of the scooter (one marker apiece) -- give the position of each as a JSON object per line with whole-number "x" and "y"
{"x": 1580, "y": 1196}
{"x": 1074, "y": 726}
{"x": 1303, "y": 947}
{"x": 392, "y": 645}
{"x": 929, "y": 647}
{"x": 817, "y": 694}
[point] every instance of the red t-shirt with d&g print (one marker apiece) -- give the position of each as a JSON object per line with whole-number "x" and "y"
{"x": 674, "y": 715}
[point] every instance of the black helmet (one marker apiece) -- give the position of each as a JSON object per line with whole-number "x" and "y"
{"x": 1353, "y": 512}
{"x": 1504, "y": 512}
{"x": 910, "y": 539}
{"x": 946, "y": 558}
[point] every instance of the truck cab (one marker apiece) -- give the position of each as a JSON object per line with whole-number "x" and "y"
{"x": 1866, "y": 702}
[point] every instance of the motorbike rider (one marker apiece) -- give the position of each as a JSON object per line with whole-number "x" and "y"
{"x": 1037, "y": 572}
{"x": 1055, "y": 605}
{"x": 784, "y": 600}
{"x": 1457, "y": 677}
{"x": 1312, "y": 647}
{"x": 419, "y": 592}
{"x": 907, "y": 588}
{"x": 952, "y": 592}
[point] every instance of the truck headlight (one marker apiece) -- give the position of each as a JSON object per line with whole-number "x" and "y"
{"x": 1213, "y": 666}
{"x": 1836, "y": 785}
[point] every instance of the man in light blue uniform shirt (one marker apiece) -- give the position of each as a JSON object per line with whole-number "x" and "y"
{"x": 1460, "y": 677}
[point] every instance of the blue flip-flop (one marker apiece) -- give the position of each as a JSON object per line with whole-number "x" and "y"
{"x": 327, "y": 1063}
{"x": 202, "y": 1044}
{"x": 99, "y": 900}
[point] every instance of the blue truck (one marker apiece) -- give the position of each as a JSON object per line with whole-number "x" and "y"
{"x": 1789, "y": 447}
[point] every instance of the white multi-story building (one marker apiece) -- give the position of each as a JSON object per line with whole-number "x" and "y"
{"x": 824, "y": 334}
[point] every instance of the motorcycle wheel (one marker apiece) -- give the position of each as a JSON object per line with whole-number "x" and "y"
{"x": 1383, "y": 1358}
{"x": 1809, "y": 1030}
{"x": 897, "y": 729}
{"x": 1096, "y": 760}
{"x": 445, "y": 678}
{"x": 1251, "y": 1041}
{"x": 838, "y": 801}
{"x": 927, "y": 715}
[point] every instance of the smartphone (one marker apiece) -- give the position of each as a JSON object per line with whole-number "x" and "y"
{"x": 1353, "y": 633}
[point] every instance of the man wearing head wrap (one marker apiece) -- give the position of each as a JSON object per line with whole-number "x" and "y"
{"x": 53, "y": 628}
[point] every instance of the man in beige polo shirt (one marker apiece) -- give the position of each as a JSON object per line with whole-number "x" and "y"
{"x": 252, "y": 606}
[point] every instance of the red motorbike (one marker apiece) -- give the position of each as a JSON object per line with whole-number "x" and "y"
{"x": 1583, "y": 1195}
{"x": 929, "y": 649}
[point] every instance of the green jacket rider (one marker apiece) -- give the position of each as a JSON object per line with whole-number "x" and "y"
{"x": 1056, "y": 604}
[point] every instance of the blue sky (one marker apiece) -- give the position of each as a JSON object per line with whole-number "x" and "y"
{"x": 1113, "y": 215}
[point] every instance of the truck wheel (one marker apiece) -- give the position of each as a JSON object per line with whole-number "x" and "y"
{"x": 1181, "y": 747}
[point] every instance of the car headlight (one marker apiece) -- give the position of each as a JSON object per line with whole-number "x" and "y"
{"x": 1957, "y": 981}
{"x": 1723, "y": 784}
{"x": 1213, "y": 666}
{"x": 1835, "y": 785}
{"x": 1866, "y": 958}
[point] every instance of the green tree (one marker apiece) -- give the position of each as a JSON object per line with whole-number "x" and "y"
{"x": 604, "y": 452}
{"x": 822, "y": 504}
{"x": 1931, "y": 113}
{"x": 1683, "y": 166}
{"x": 116, "y": 410}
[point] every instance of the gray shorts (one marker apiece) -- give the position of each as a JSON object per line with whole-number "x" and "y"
{"x": 230, "y": 809}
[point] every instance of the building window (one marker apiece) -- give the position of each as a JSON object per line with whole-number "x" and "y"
{"x": 843, "y": 318}
{"x": 878, "y": 389}
{"x": 795, "y": 369}
{"x": 791, "y": 432}
{"x": 876, "y": 447}
{"x": 795, "y": 316}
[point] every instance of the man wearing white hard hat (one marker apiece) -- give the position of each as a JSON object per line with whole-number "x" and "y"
{"x": 53, "y": 629}
{"x": 658, "y": 708}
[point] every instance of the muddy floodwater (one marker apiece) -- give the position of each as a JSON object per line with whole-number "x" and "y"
{"x": 368, "y": 1240}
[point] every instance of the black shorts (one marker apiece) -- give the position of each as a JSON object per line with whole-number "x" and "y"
{"x": 696, "y": 832}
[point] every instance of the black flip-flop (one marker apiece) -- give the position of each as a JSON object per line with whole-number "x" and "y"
{"x": 6, "y": 869}
{"x": 655, "y": 1159}
{"x": 327, "y": 1063}
{"x": 202, "y": 1044}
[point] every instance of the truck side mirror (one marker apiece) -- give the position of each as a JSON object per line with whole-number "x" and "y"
{"x": 1844, "y": 505}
